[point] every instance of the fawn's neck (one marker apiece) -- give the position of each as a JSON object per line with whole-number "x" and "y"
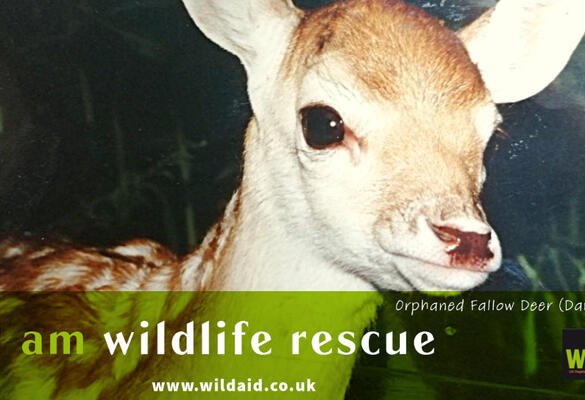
{"x": 251, "y": 248}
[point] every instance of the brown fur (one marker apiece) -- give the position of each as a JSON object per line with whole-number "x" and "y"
{"x": 24, "y": 262}
{"x": 395, "y": 49}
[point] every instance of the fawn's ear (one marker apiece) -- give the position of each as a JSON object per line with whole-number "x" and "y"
{"x": 246, "y": 28}
{"x": 520, "y": 46}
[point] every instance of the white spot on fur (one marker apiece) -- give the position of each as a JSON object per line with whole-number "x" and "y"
{"x": 41, "y": 253}
{"x": 105, "y": 279}
{"x": 133, "y": 250}
{"x": 59, "y": 276}
{"x": 14, "y": 251}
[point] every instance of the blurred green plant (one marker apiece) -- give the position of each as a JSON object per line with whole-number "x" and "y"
{"x": 560, "y": 265}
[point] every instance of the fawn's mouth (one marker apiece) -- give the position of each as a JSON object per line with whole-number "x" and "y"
{"x": 421, "y": 274}
{"x": 421, "y": 260}
{"x": 484, "y": 268}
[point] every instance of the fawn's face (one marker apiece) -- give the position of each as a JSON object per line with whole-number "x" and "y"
{"x": 384, "y": 120}
{"x": 371, "y": 120}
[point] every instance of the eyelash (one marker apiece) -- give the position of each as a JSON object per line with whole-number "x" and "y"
{"x": 501, "y": 133}
{"x": 497, "y": 140}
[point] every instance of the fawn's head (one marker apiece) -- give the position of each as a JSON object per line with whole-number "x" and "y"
{"x": 371, "y": 119}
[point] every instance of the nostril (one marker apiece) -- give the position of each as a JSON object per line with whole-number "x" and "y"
{"x": 447, "y": 235}
{"x": 464, "y": 246}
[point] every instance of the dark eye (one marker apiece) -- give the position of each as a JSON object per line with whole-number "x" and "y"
{"x": 322, "y": 126}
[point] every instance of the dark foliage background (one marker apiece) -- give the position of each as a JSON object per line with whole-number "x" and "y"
{"x": 118, "y": 119}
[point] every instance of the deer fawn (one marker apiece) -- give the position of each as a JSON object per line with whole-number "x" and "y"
{"x": 363, "y": 161}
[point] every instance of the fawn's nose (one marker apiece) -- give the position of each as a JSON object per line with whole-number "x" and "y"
{"x": 467, "y": 249}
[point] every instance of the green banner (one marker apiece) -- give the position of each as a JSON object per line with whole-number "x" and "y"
{"x": 356, "y": 345}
